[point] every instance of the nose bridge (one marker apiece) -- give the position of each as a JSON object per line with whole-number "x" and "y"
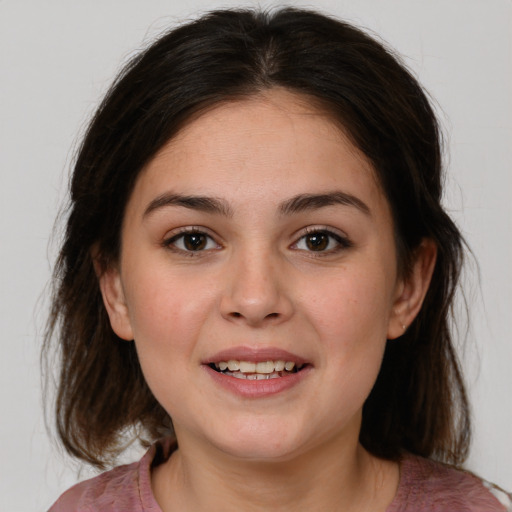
{"x": 256, "y": 291}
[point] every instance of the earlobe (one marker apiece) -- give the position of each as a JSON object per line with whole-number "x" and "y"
{"x": 412, "y": 290}
{"x": 115, "y": 303}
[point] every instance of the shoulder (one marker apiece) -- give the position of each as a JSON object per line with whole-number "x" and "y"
{"x": 121, "y": 489}
{"x": 111, "y": 491}
{"x": 432, "y": 486}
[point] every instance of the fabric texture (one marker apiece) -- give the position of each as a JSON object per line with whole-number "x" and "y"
{"x": 424, "y": 486}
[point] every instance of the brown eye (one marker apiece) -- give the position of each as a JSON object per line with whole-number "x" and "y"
{"x": 317, "y": 241}
{"x": 195, "y": 241}
{"x": 191, "y": 241}
{"x": 322, "y": 241}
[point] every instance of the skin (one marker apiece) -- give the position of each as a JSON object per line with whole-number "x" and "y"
{"x": 258, "y": 284}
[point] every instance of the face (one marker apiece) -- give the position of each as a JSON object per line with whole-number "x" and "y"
{"x": 258, "y": 278}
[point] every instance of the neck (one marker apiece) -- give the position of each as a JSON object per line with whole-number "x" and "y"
{"x": 327, "y": 478}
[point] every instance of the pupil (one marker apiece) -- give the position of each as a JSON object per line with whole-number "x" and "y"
{"x": 317, "y": 241}
{"x": 195, "y": 241}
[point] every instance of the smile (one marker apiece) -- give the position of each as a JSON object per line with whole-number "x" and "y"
{"x": 261, "y": 370}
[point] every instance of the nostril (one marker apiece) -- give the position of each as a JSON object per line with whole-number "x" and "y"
{"x": 236, "y": 314}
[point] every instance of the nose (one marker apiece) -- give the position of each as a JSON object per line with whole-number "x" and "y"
{"x": 257, "y": 291}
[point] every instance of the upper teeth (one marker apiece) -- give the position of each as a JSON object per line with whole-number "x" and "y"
{"x": 249, "y": 367}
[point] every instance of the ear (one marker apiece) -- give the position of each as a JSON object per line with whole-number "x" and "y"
{"x": 114, "y": 299}
{"x": 411, "y": 290}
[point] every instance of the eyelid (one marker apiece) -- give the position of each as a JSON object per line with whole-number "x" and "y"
{"x": 341, "y": 238}
{"x": 175, "y": 234}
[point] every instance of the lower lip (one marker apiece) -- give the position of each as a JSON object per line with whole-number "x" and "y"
{"x": 257, "y": 388}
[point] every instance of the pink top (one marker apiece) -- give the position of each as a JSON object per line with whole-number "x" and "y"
{"x": 424, "y": 486}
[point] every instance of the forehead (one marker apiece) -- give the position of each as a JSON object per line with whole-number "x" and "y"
{"x": 259, "y": 148}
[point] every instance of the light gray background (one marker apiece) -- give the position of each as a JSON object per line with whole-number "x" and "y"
{"x": 58, "y": 57}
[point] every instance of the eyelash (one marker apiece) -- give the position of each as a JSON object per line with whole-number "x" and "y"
{"x": 342, "y": 242}
{"x": 170, "y": 243}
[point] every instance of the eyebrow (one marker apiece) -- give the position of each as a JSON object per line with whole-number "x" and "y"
{"x": 305, "y": 202}
{"x": 201, "y": 203}
{"x": 296, "y": 204}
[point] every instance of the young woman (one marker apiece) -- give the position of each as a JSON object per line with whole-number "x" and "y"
{"x": 256, "y": 280}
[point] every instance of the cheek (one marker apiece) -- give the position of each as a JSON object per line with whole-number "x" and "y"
{"x": 351, "y": 322}
{"x": 167, "y": 312}
{"x": 167, "y": 315}
{"x": 351, "y": 306}
{"x": 351, "y": 317}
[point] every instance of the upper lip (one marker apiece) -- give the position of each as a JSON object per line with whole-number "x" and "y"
{"x": 252, "y": 354}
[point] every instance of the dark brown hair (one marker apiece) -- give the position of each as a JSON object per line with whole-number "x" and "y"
{"x": 419, "y": 403}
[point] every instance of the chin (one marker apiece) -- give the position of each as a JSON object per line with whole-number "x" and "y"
{"x": 267, "y": 441}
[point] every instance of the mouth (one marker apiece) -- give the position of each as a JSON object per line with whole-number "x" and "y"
{"x": 257, "y": 370}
